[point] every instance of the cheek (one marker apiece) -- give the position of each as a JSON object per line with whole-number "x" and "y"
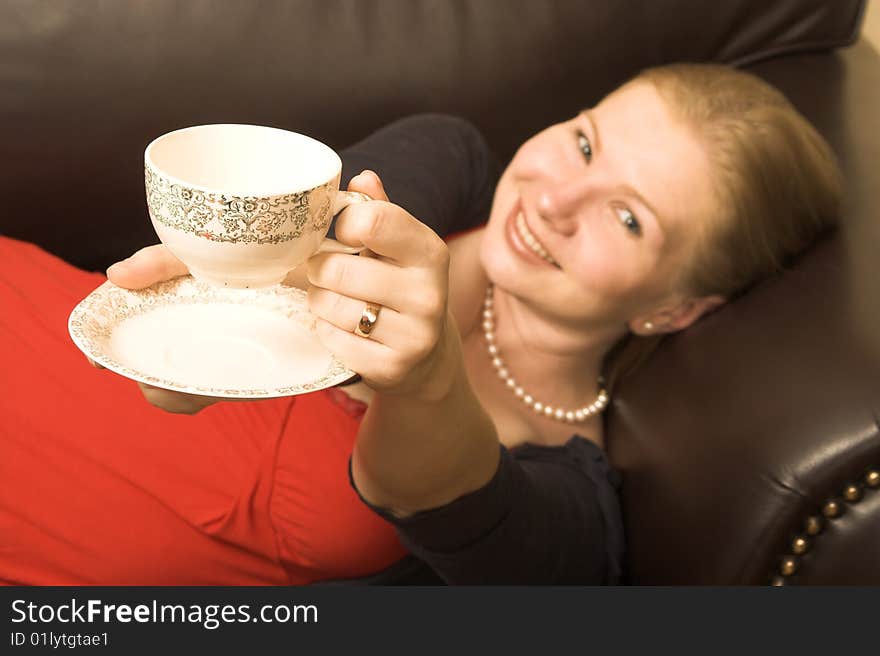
{"x": 608, "y": 267}
{"x": 537, "y": 156}
{"x": 525, "y": 157}
{"x": 502, "y": 202}
{"x": 534, "y": 160}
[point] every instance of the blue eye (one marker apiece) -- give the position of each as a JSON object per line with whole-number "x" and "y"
{"x": 629, "y": 220}
{"x": 584, "y": 145}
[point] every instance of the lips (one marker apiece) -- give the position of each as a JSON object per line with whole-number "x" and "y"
{"x": 524, "y": 240}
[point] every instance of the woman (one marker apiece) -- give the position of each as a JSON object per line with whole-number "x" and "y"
{"x": 476, "y": 429}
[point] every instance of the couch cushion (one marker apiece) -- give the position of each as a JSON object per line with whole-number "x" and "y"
{"x": 85, "y": 85}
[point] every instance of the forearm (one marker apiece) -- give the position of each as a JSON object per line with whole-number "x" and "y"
{"x": 415, "y": 452}
{"x": 550, "y": 515}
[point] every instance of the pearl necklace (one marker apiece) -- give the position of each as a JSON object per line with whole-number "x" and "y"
{"x": 560, "y": 414}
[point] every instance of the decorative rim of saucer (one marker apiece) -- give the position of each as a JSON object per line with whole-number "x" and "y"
{"x": 97, "y": 315}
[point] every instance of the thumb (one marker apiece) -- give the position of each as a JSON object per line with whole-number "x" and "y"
{"x": 146, "y": 267}
{"x": 367, "y": 182}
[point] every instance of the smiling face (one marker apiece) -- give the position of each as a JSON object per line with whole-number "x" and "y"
{"x": 595, "y": 217}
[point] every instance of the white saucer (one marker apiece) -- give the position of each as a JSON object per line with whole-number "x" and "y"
{"x": 189, "y": 336}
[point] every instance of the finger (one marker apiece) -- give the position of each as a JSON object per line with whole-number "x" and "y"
{"x": 146, "y": 267}
{"x": 366, "y": 357}
{"x": 366, "y": 278}
{"x": 351, "y": 381}
{"x": 94, "y": 364}
{"x": 367, "y": 182}
{"x": 391, "y": 232}
{"x": 175, "y": 402}
{"x": 345, "y": 312}
{"x": 298, "y": 277}
{"x": 409, "y": 291}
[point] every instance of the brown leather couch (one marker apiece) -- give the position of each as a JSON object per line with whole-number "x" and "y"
{"x": 748, "y": 445}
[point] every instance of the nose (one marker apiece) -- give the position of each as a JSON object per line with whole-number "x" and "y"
{"x": 560, "y": 202}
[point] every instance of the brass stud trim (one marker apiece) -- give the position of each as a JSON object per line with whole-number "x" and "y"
{"x": 832, "y": 509}
{"x": 815, "y": 524}
{"x": 852, "y": 493}
{"x": 789, "y": 566}
{"x": 800, "y": 545}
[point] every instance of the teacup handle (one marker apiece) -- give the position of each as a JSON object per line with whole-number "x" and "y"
{"x": 342, "y": 200}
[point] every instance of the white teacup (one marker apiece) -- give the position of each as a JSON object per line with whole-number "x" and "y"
{"x": 243, "y": 205}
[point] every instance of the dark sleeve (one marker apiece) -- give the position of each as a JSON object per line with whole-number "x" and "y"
{"x": 437, "y": 167}
{"x": 550, "y": 515}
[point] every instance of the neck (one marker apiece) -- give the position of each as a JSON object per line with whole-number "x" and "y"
{"x": 555, "y": 361}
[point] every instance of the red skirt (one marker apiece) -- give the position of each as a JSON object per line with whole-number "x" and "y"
{"x": 97, "y": 487}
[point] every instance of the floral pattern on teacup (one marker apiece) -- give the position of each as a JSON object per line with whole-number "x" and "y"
{"x": 240, "y": 219}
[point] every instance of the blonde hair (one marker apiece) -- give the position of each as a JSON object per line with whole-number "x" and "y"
{"x": 776, "y": 180}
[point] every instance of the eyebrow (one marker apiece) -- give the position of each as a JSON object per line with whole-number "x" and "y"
{"x": 628, "y": 189}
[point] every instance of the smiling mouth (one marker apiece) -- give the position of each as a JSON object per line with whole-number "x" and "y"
{"x": 531, "y": 241}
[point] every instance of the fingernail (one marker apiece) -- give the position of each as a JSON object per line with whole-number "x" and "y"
{"x": 114, "y": 268}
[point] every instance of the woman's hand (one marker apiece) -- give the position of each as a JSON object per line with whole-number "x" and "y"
{"x": 413, "y": 348}
{"x": 147, "y": 267}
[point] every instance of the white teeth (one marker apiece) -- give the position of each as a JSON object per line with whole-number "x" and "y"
{"x": 530, "y": 240}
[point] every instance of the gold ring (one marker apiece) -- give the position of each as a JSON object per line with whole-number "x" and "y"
{"x": 368, "y": 320}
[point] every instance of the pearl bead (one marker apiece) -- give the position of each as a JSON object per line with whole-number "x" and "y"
{"x": 560, "y": 414}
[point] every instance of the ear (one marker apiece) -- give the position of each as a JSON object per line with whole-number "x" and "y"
{"x": 676, "y": 317}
